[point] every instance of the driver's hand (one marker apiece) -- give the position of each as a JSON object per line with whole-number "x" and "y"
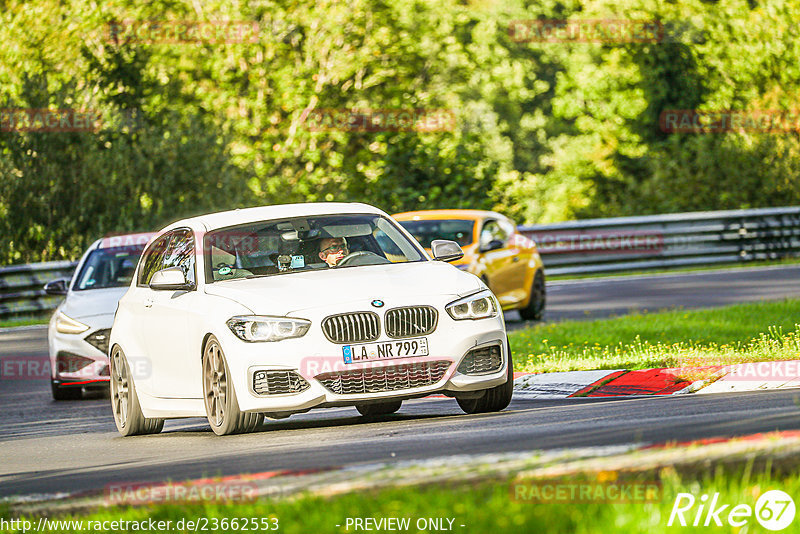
{"x": 334, "y": 258}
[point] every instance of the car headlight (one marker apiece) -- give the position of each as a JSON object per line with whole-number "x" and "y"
{"x": 262, "y": 328}
{"x": 68, "y": 325}
{"x": 478, "y": 306}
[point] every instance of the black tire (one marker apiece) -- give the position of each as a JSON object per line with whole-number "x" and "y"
{"x": 534, "y": 311}
{"x": 61, "y": 393}
{"x": 222, "y": 408}
{"x": 125, "y": 405}
{"x": 494, "y": 399}
{"x": 380, "y": 408}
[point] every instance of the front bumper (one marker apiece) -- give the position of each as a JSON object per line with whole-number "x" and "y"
{"x": 63, "y": 350}
{"x": 313, "y": 358}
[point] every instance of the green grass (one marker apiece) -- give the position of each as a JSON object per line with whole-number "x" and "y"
{"x": 743, "y": 332}
{"x": 25, "y": 320}
{"x": 487, "y": 506}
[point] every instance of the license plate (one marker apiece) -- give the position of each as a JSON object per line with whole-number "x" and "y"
{"x": 385, "y": 350}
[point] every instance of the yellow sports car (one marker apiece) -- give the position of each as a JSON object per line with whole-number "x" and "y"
{"x": 507, "y": 261}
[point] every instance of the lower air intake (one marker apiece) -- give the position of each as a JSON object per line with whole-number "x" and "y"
{"x": 278, "y": 382}
{"x": 376, "y": 380}
{"x": 481, "y": 361}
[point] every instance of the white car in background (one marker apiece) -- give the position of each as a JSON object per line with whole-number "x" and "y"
{"x": 238, "y": 315}
{"x": 77, "y": 335}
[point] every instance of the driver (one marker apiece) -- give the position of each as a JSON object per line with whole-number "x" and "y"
{"x": 333, "y": 249}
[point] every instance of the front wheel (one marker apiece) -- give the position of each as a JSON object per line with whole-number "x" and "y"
{"x": 222, "y": 408}
{"x": 128, "y": 414}
{"x": 494, "y": 399}
{"x": 535, "y": 308}
{"x": 381, "y": 408}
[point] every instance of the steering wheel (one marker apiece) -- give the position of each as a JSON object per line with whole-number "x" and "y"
{"x": 362, "y": 257}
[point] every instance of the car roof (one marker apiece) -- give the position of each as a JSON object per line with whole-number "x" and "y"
{"x": 447, "y": 214}
{"x": 223, "y": 219}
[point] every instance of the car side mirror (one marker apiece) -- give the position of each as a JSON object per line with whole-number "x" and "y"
{"x": 56, "y": 287}
{"x": 494, "y": 244}
{"x": 170, "y": 279}
{"x": 445, "y": 250}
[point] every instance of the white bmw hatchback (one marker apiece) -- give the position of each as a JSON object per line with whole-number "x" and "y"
{"x": 280, "y": 309}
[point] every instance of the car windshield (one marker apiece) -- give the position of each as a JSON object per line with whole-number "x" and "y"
{"x": 108, "y": 267}
{"x": 303, "y": 244}
{"x": 458, "y": 230}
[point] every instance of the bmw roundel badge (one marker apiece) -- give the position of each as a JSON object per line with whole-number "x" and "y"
{"x": 377, "y": 303}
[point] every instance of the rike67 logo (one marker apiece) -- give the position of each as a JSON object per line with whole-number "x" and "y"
{"x": 774, "y": 510}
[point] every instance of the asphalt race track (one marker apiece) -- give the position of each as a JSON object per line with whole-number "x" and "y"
{"x": 50, "y": 447}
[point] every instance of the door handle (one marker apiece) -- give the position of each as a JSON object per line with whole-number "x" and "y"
{"x": 516, "y": 258}
{"x": 148, "y": 302}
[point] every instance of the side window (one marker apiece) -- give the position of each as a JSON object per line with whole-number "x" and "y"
{"x": 181, "y": 253}
{"x": 152, "y": 260}
{"x": 507, "y": 228}
{"x": 492, "y": 231}
{"x": 388, "y": 248}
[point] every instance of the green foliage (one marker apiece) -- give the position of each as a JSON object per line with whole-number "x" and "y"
{"x": 141, "y": 167}
{"x": 729, "y": 55}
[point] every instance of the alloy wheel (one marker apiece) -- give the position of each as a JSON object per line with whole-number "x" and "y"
{"x": 216, "y": 383}
{"x": 119, "y": 388}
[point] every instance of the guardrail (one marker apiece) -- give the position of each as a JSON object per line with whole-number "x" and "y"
{"x": 667, "y": 241}
{"x": 21, "y": 287}
{"x": 571, "y": 248}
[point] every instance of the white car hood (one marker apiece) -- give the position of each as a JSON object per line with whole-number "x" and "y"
{"x": 288, "y": 293}
{"x": 92, "y": 302}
